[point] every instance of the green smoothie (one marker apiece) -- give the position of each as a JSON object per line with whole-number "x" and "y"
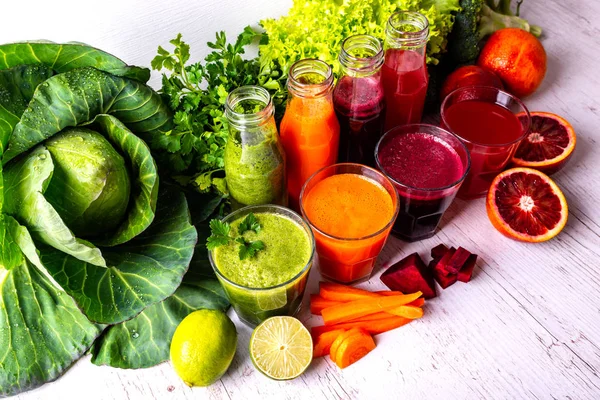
{"x": 272, "y": 281}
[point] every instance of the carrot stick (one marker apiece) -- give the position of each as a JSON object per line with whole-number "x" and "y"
{"x": 318, "y": 303}
{"x": 387, "y": 292}
{"x": 324, "y": 341}
{"x": 373, "y": 327}
{"x": 358, "y": 308}
{"x": 340, "y": 293}
{"x": 408, "y": 312}
{"x": 353, "y": 348}
{"x": 418, "y": 302}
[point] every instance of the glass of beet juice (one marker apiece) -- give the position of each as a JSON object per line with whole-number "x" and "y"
{"x": 427, "y": 165}
{"x": 487, "y": 120}
{"x": 358, "y": 99}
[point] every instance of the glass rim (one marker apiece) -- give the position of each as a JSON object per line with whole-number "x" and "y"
{"x": 361, "y": 64}
{"x": 429, "y": 127}
{"x": 246, "y": 93}
{"x": 285, "y": 210}
{"x": 412, "y": 18}
{"x": 521, "y": 104}
{"x": 328, "y": 235}
{"x": 313, "y": 65}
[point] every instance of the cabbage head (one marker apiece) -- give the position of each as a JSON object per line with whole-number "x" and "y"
{"x": 87, "y": 238}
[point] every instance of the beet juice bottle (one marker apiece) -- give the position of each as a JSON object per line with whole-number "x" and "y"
{"x": 404, "y": 72}
{"x": 359, "y": 100}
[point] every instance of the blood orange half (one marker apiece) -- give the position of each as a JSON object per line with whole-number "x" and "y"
{"x": 548, "y": 146}
{"x": 525, "y": 204}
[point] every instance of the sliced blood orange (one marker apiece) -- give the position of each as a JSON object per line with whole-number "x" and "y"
{"x": 548, "y": 146}
{"x": 525, "y": 204}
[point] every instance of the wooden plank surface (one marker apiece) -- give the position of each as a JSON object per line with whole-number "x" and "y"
{"x": 527, "y": 326}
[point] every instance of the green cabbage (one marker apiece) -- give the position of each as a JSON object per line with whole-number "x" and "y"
{"x": 316, "y": 28}
{"x": 87, "y": 238}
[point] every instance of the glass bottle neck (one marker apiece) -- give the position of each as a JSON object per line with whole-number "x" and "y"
{"x": 310, "y": 78}
{"x": 361, "y": 56}
{"x": 406, "y": 30}
{"x": 248, "y": 107}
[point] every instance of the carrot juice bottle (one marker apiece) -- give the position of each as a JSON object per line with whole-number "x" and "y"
{"x": 309, "y": 130}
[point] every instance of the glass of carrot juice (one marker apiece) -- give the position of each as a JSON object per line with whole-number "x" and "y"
{"x": 351, "y": 209}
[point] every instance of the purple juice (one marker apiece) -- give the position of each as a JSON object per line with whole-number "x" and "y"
{"x": 427, "y": 165}
{"x": 359, "y": 104}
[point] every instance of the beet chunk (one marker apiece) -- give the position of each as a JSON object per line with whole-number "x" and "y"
{"x": 410, "y": 275}
{"x": 441, "y": 271}
{"x": 438, "y": 251}
{"x": 466, "y": 272}
{"x": 458, "y": 260}
{"x": 445, "y": 280}
{"x": 440, "y": 266}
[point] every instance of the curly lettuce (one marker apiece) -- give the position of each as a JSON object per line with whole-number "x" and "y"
{"x": 316, "y": 28}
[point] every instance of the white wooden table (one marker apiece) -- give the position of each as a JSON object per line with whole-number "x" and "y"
{"x": 527, "y": 326}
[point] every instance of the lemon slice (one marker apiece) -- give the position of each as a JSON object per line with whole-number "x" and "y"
{"x": 281, "y": 348}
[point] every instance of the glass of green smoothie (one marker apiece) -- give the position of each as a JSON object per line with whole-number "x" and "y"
{"x": 271, "y": 281}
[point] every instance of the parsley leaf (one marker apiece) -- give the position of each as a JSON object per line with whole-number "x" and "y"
{"x": 250, "y": 223}
{"x": 219, "y": 234}
{"x": 196, "y": 93}
{"x": 249, "y": 249}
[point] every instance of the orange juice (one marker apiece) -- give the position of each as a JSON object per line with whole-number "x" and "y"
{"x": 351, "y": 209}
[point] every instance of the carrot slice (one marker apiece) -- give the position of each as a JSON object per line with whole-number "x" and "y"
{"x": 358, "y": 308}
{"x": 373, "y": 327}
{"x": 341, "y": 293}
{"x": 324, "y": 341}
{"x": 353, "y": 348}
{"x": 338, "y": 340}
{"x": 318, "y": 303}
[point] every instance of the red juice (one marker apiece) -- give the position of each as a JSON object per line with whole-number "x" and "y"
{"x": 405, "y": 82}
{"x": 360, "y": 108}
{"x": 491, "y": 132}
{"x": 427, "y": 172}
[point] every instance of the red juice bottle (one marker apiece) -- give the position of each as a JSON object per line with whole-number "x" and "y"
{"x": 358, "y": 99}
{"x": 404, "y": 72}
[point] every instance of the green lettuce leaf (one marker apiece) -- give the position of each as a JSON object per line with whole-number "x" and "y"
{"x": 75, "y": 97}
{"x": 16, "y": 90}
{"x": 25, "y": 182}
{"x": 317, "y": 28}
{"x": 145, "y": 340}
{"x": 140, "y": 272}
{"x": 65, "y": 57}
{"x": 142, "y": 202}
{"x": 42, "y": 331}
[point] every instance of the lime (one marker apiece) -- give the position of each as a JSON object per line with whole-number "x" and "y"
{"x": 203, "y": 347}
{"x": 281, "y": 348}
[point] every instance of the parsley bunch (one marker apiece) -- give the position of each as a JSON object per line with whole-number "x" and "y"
{"x": 220, "y": 236}
{"x": 196, "y": 94}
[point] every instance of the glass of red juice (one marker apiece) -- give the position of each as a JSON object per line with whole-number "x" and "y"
{"x": 404, "y": 72}
{"x": 427, "y": 165}
{"x": 487, "y": 120}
